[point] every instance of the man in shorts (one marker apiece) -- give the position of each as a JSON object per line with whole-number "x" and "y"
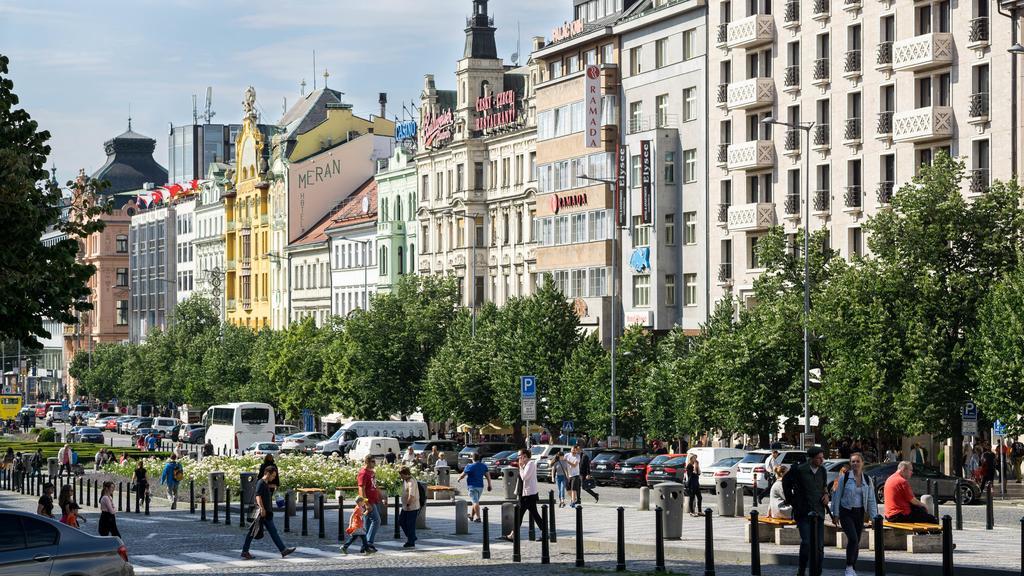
{"x": 475, "y": 474}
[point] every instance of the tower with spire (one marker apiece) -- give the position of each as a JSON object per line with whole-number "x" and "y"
{"x": 480, "y": 72}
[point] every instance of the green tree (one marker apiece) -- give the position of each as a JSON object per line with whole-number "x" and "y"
{"x": 458, "y": 376}
{"x": 297, "y": 366}
{"x": 585, "y": 375}
{"x": 998, "y": 344}
{"x": 38, "y": 281}
{"x": 99, "y": 373}
{"x": 635, "y": 355}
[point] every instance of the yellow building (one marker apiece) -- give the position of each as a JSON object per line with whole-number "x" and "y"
{"x": 247, "y": 237}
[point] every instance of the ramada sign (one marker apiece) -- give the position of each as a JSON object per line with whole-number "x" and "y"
{"x": 569, "y": 201}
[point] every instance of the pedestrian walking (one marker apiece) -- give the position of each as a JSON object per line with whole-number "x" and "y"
{"x": 411, "y": 502}
{"x": 141, "y": 482}
{"x": 587, "y": 481}
{"x": 64, "y": 459}
{"x": 917, "y": 455}
{"x": 263, "y": 521}
{"x": 900, "y": 503}
{"x": 45, "y": 505}
{"x": 853, "y": 503}
{"x": 151, "y": 442}
{"x": 1017, "y": 455}
{"x": 526, "y": 489}
{"x": 432, "y": 457}
{"x": 366, "y": 481}
{"x": 268, "y": 460}
{"x": 68, "y": 507}
{"x": 208, "y": 448}
{"x": 171, "y": 477}
{"x": 693, "y": 486}
{"x": 988, "y": 469}
{"x": 804, "y": 486}
{"x": 770, "y": 464}
{"x": 355, "y": 527}
{"x": 475, "y": 474}
{"x": 561, "y": 471}
{"x": 573, "y": 478}
{"x": 108, "y": 522}
{"x": 390, "y": 457}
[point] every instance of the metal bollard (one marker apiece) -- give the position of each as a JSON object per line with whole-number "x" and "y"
{"x": 990, "y": 519}
{"x": 959, "y": 506}
{"x": 947, "y": 546}
{"x": 398, "y": 510}
{"x": 552, "y": 535}
{"x": 80, "y": 490}
{"x": 120, "y": 496}
{"x": 709, "y": 544}
{"x": 216, "y": 501}
{"x": 532, "y": 530}
{"x": 96, "y": 493}
{"x": 88, "y": 492}
{"x": 516, "y": 550}
{"x": 191, "y": 496}
{"x": 755, "y": 545}
{"x": 620, "y": 540}
{"x": 137, "y": 499}
{"x": 879, "y": 546}
{"x": 815, "y": 560}
{"x": 579, "y": 537}
{"x": 287, "y": 517}
{"x": 305, "y": 514}
{"x": 935, "y": 499}
{"x": 202, "y": 510}
{"x": 341, "y": 518}
{"x": 227, "y": 506}
{"x": 659, "y": 540}
{"x": 146, "y": 498}
{"x": 322, "y": 529}
{"x": 241, "y": 508}
{"x": 545, "y": 551}
{"x": 486, "y": 552}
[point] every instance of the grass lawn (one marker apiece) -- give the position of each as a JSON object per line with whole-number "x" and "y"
{"x": 86, "y": 451}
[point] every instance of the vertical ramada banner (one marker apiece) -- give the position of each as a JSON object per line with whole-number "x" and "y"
{"x": 622, "y": 166}
{"x": 646, "y": 177}
{"x": 592, "y": 100}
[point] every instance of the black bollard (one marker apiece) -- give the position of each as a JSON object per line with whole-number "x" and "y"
{"x": 486, "y": 552}
{"x": 287, "y": 517}
{"x": 755, "y": 545}
{"x": 545, "y": 551}
{"x": 120, "y": 495}
{"x": 322, "y": 532}
{"x": 579, "y": 537}
{"x": 88, "y": 492}
{"x": 305, "y": 514}
{"x": 659, "y": 540}
{"x": 241, "y": 509}
{"x": 709, "y": 544}
{"x": 95, "y": 493}
{"x": 216, "y": 501}
{"x": 532, "y": 531}
{"x": 80, "y": 490}
{"x": 227, "y": 506}
{"x": 552, "y": 533}
{"x": 137, "y": 500}
{"x": 398, "y": 510}
{"x": 947, "y": 546}
{"x": 879, "y": 546}
{"x": 620, "y": 540}
{"x": 990, "y": 519}
{"x": 146, "y": 498}
{"x": 341, "y": 518}
{"x": 202, "y": 507}
{"x": 815, "y": 560}
{"x": 935, "y": 499}
{"x": 959, "y": 506}
{"x": 516, "y": 544}
{"x": 191, "y": 496}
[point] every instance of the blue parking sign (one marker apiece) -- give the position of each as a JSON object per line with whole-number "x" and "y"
{"x": 528, "y": 386}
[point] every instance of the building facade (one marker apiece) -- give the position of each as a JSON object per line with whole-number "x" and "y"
{"x": 886, "y": 85}
{"x": 357, "y": 257}
{"x": 184, "y": 248}
{"x": 209, "y": 244}
{"x": 152, "y": 270}
{"x": 396, "y": 218}
{"x": 475, "y": 164}
{"x": 192, "y": 148}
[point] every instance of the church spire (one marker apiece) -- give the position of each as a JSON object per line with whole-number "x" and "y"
{"x": 480, "y": 33}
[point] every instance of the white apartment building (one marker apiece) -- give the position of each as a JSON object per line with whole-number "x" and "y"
{"x": 209, "y": 246}
{"x": 184, "y": 248}
{"x": 886, "y": 83}
{"x": 357, "y": 257}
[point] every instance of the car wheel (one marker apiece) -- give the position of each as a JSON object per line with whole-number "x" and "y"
{"x": 880, "y": 494}
{"x": 965, "y": 494}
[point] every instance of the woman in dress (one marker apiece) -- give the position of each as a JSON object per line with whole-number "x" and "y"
{"x": 108, "y": 523}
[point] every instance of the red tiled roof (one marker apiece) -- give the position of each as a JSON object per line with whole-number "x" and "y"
{"x": 349, "y": 212}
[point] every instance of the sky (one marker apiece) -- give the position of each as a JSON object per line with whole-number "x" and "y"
{"x": 79, "y": 66}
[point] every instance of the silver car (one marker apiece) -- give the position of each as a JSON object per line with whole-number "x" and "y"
{"x": 32, "y": 545}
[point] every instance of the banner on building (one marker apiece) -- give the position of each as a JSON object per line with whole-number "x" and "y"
{"x": 646, "y": 178}
{"x": 622, "y": 167}
{"x": 592, "y": 100}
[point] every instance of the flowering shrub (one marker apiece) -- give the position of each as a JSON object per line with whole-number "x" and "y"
{"x": 295, "y": 471}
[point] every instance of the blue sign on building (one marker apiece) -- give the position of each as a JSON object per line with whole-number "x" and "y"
{"x": 405, "y": 131}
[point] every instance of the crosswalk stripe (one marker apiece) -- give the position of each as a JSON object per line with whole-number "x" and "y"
{"x": 218, "y": 558}
{"x": 142, "y": 569}
{"x": 337, "y": 555}
{"x": 171, "y": 562}
{"x": 138, "y": 520}
{"x": 271, "y": 556}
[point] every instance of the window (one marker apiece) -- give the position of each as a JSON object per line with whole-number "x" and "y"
{"x": 752, "y": 257}
{"x": 122, "y": 277}
{"x": 690, "y": 165}
{"x": 579, "y": 228}
{"x": 555, "y": 69}
{"x": 255, "y": 415}
{"x": 598, "y": 226}
{"x": 689, "y": 44}
{"x": 635, "y": 116}
{"x": 660, "y": 52}
{"x": 634, "y": 60}
{"x": 690, "y": 104}
{"x": 670, "y": 290}
{"x": 670, "y": 168}
{"x": 608, "y": 54}
{"x": 572, "y": 64}
{"x": 670, "y": 229}
{"x": 642, "y": 290}
{"x": 689, "y": 228}
{"x": 641, "y": 232}
{"x": 38, "y": 533}
{"x": 689, "y": 289}
{"x": 634, "y": 170}
{"x": 122, "y": 313}
{"x": 856, "y": 243}
{"x": 661, "y": 106}
{"x": 578, "y": 288}
{"x": 122, "y": 244}
{"x": 598, "y": 282}
{"x": 590, "y": 57}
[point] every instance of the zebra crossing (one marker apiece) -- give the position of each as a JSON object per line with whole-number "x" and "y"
{"x": 190, "y": 562}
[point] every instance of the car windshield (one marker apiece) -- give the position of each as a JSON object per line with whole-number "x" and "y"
{"x": 419, "y": 446}
{"x": 469, "y": 448}
{"x": 755, "y": 458}
{"x": 660, "y": 459}
{"x": 638, "y": 460}
{"x": 296, "y": 436}
{"x": 726, "y": 462}
{"x": 89, "y": 431}
{"x": 537, "y": 450}
{"x": 676, "y": 461}
{"x": 504, "y": 454}
{"x": 606, "y": 456}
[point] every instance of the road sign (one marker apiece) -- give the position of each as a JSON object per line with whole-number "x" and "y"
{"x": 969, "y": 411}
{"x": 998, "y": 430}
{"x": 308, "y": 423}
{"x": 806, "y": 440}
{"x": 568, "y": 426}
{"x": 528, "y": 386}
{"x": 528, "y": 409}
{"x": 969, "y": 427}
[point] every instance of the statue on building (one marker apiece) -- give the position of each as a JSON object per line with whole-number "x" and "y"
{"x": 249, "y": 103}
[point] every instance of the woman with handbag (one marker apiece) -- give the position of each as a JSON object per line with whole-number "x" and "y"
{"x": 108, "y": 524}
{"x": 852, "y": 503}
{"x": 561, "y": 471}
{"x": 693, "y": 486}
{"x": 264, "y": 517}
{"x": 141, "y": 483}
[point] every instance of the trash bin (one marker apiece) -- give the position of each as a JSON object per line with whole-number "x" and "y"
{"x": 217, "y": 485}
{"x": 725, "y": 489}
{"x": 444, "y": 477}
{"x": 52, "y": 467}
{"x": 509, "y": 478}
{"x": 247, "y": 482}
{"x": 669, "y": 497}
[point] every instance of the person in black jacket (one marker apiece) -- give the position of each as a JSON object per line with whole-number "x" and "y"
{"x": 804, "y": 489}
{"x": 586, "y": 481}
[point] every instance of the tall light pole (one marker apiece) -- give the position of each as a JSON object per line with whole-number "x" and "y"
{"x": 364, "y": 243}
{"x": 806, "y": 127}
{"x": 615, "y": 312}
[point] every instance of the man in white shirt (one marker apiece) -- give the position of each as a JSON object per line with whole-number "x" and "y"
{"x": 574, "y": 481}
{"x": 526, "y": 488}
{"x": 410, "y": 506}
{"x": 773, "y": 461}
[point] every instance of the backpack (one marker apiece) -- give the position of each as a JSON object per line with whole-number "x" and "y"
{"x": 422, "y": 488}
{"x": 178, "y": 474}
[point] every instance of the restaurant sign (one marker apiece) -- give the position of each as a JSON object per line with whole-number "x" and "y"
{"x": 496, "y": 111}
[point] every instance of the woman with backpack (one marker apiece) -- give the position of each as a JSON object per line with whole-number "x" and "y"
{"x": 853, "y": 503}
{"x": 171, "y": 477}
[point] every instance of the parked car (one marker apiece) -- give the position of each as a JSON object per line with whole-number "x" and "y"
{"x": 724, "y": 468}
{"x": 671, "y": 470}
{"x": 263, "y": 448}
{"x": 164, "y": 424}
{"x": 541, "y": 453}
{"x": 968, "y": 491}
{"x": 657, "y": 462}
{"x": 500, "y": 460}
{"x": 122, "y": 423}
{"x": 282, "y": 431}
{"x": 38, "y": 545}
{"x": 56, "y": 414}
{"x": 194, "y": 435}
{"x": 73, "y": 433}
{"x": 89, "y": 434}
{"x": 604, "y": 465}
{"x": 423, "y": 448}
{"x": 753, "y": 463}
{"x": 302, "y": 441}
{"x": 707, "y": 455}
{"x": 832, "y": 468}
{"x": 632, "y": 471}
{"x": 135, "y": 425}
{"x": 484, "y": 450}
{"x": 95, "y": 418}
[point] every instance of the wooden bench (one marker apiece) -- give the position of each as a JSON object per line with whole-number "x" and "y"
{"x": 766, "y": 527}
{"x": 914, "y": 537}
{"x": 438, "y": 492}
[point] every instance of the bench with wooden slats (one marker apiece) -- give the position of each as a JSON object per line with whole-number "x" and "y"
{"x": 774, "y": 521}
{"x": 914, "y": 527}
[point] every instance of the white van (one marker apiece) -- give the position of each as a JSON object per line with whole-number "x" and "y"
{"x": 165, "y": 425}
{"x": 707, "y": 456}
{"x": 398, "y": 429}
{"x": 232, "y": 428}
{"x": 376, "y": 446}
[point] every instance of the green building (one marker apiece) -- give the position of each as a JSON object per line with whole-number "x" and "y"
{"x": 396, "y": 218}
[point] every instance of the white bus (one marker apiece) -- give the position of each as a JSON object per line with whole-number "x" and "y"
{"x": 232, "y": 428}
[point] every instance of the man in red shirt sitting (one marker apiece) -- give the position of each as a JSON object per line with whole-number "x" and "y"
{"x": 900, "y": 503}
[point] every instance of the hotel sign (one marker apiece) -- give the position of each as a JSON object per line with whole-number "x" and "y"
{"x": 496, "y": 111}
{"x": 646, "y": 181}
{"x": 592, "y": 100}
{"x": 437, "y": 129}
{"x": 622, "y": 156}
{"x": 567, "y": 30}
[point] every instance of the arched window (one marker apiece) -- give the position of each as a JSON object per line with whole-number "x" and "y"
{"x": 401, "y": 261}
{"x": 398, "y": 208}
{"x": 412, "y": 256}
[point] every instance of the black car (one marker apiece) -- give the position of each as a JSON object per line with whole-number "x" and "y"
{"x": 603, "y": 466}
{"x": 195, "y": 435}
{"x": 666, "y": 468}
{"x": 631, "y": 472}
{"x": 484, "y": 450}
{"x": 92, "y": 435}
{"x": 967, "y": 492}
{"x": 501, "y": 460}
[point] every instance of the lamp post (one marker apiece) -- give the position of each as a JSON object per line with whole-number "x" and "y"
{"x": 615, "y": 312}
{"x": 806, "y": 127}
{"x": 364, "y": 243}
{"x": 1016, "y": 50}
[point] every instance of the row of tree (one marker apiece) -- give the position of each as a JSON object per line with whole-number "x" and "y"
{"x": 933, "y": 318}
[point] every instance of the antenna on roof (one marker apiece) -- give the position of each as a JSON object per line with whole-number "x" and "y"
{"x": 129, "y": 115}
{"x": 284, "y": 106}
{"x": 209, "y": 105}
{"x": 314, "y": 70}
{"x": 195, "y": 113}
{"x": 302, "y": 87}
{"x": 515, "y": 56}
{"x": 326, "y": 75}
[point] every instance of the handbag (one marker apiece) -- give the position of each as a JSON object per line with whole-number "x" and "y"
{"x": 256, "y": 528}
{"x": 589, "y": 484}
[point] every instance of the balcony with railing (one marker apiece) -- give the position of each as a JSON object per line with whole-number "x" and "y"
{"x": 822, "y": 200}
{"x": 884, "y": 191}
{"x": 923, "y": 52}
{"x": 979, "y": 182}
{"x": 791, "y": 17}
{"x": 883, "y": 56}
{"x": 722, "y": 158}
{"x": 723, "y": 95}
{"x": 977, "y": 34}
{"x": 791, "y": 145}
{"x": 977, "y": 112}
{"x": 750, "y": 217}
{"x": 922, "y": 124}
{"x": 648, "y": 123}
{"x": 852, "y": 132}
{"x": 791, "y": 79}
{"x": 723, "y": 34}
{"x": 821, "y": 10}
{"x": 852, "y": 5}
{"x": 821, "y": 137}
{"x": 792, "y": 205}
{"x": 853, "y": 199}
{"x": 752, "y": 93}
{"x": 723, "y": 214}
{"x": 751, "y": 155}
{"x": 883, "y": 128}
{"x": 751, "y": 31}
{"x": 822, "y": 72}
{"x": 725, "y": 273}
{"x": 852, "y": 64}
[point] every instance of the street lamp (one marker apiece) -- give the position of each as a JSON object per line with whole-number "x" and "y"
{"x": 1016, "y": 50}
{"x": 615, "y": 235}
{"x": 365, "y": 243}
{"x": 806, "y": 127}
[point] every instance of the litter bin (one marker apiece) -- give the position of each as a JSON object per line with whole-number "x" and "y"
{"x": 247, "y": 482}
{"x": 509, "y": 478}
{"x": 444, "y": 477}
{"x": 726, "y": 491}
{"x": 217, "y": 485}
{"x": 669, "y": 496}
{"x": 52, "y": 467}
